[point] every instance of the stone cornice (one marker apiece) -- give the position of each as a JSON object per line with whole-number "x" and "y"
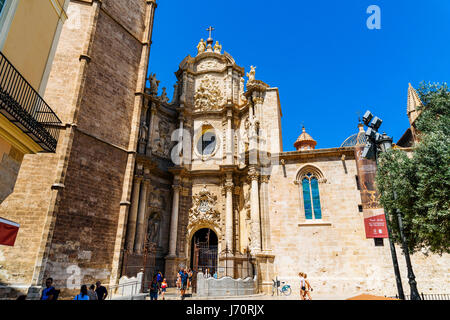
{"x": 188, "y": 62}
{"x": 349, "y": 152}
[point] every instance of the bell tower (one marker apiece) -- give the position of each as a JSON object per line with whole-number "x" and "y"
{"x": 72, "y": 206}
{"x": 224, "y": 124}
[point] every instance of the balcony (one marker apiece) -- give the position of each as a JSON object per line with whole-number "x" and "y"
{"x": 26, "y": 109}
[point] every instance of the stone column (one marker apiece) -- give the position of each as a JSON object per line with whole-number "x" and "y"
{"x": 254, "y": 212}
{"x": 229, "y": 138}
{"x": 229, "y": 215}
{"x": 138, "y": 244}
{"x": 265, "y": 219}
{"x": 174, "y": 221}
{"x": 131, "y": 225}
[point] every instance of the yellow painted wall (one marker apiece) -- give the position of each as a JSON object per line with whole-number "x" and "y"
{"x": 30, "y": 38}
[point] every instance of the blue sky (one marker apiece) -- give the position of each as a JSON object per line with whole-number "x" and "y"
{"x": 327, "y": 64}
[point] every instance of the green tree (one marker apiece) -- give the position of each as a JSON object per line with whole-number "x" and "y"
{"x": 421, "y": 179}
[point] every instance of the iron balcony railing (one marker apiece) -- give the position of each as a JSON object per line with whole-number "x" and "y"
{"x": 24, "y": 107}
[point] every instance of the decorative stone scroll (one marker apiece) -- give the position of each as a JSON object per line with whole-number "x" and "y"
{"x": 203, "y": 209}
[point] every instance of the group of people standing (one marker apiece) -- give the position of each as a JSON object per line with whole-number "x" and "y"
{"x": 95, "y": 292}
{"x": 184, "y": 281}
{"x": 158, "y": 286}
{"x": 305, "y": 287}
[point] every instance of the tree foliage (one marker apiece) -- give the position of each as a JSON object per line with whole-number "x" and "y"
{"x": 421, "y": 179}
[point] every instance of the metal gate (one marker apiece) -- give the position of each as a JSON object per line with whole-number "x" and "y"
{"x": 145, "y": 262}
{"x": 205, "y": 258}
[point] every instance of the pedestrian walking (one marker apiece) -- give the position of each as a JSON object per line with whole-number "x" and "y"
{"x": 159, "y": 279}
{"x": 302, "y": 285}
{"x": 49, "y": 293}
{"x": 308, "y": 288}
{"x": 184, "y": 280}
{"x": 83, "y": 295}
{"x": 91, "y": 293}
{"x": 101, "y": 291}
{"x": 179, "y": 282}
{"x": 154, "y": 288}
{"x": 163, "y": 288}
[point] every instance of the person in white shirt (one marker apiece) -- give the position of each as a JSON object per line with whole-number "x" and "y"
{"x": 302, "y": 285}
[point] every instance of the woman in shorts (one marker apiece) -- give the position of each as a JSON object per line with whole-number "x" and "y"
{"x": 163, "y": 288}
{"x": 302, "y": 285}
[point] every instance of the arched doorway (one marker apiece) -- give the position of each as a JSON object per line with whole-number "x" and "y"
{"x": 204, "y": 251}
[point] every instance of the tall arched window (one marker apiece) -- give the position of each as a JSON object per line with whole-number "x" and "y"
{"x": 308, "y": 178}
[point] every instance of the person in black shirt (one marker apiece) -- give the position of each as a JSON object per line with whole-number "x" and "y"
{"x": 101, "y": 291}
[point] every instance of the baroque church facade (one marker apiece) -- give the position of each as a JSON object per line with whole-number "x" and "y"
{"x": 201, "y": 181}
{"x": 266, "y": 212}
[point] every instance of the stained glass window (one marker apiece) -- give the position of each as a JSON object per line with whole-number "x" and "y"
{"x": 307, "y": 198}
{"x": 311, "y": 197}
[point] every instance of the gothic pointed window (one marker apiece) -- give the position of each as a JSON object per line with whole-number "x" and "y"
{"x": 311, "y": 196}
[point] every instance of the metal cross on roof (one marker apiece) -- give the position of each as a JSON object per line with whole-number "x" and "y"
{"x": 210, "y": 29}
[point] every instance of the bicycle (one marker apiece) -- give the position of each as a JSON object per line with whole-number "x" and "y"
{"x": 284, "y": 290}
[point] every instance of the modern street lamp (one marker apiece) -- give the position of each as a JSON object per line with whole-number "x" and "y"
{"x": 370, "y": 152}
{"x": 376, "y": 143}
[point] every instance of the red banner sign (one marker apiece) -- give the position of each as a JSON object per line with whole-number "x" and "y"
{"x": 8, "y": 232}
{"x": 376, "y": 227}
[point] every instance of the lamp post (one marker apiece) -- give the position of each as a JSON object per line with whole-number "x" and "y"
{"x": 411, "y": 277}
{"x": 382, "y": 143}
{"x": 370, "y": 152}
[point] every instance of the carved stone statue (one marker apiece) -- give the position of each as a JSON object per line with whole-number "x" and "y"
{"x": 143, "y": 131}
{"x": 217, "y": 47}
{"x": 253, "y": 126}
{"x": 154, "y": 222}
{"x": 161, "y": 142}
{"x": 241, "y": 90}
{"x": 164, "y": 97}
{"x": 201, "y": 47}
{"x": 251, "y": 74}
{"x": 153, "y": 84}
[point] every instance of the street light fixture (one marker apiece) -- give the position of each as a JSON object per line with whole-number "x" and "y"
{"x": 377, "y": 142}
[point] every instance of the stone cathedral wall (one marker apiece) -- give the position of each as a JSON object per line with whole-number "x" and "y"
{"x": 334, "y": 252}
{"x": 80, "y": 231}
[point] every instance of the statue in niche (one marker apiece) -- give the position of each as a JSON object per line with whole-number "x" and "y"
{"x": 153, "y": 227}
{"x": 143, "y": 132}
{"x": 162, "y": 138}
{"x": 164, "y": 97}
{"x": 153, "y": 84}
{"x": 201, "y": 47}
{"x": 243, "y": 137}
{"x": 241, "y": 90}
{"x": 253, "y": 125}
{"x": 251, "y": 74}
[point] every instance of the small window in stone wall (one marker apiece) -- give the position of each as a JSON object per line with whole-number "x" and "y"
{"x": 379, "y": 242}
{"x": 360, "y": 208}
